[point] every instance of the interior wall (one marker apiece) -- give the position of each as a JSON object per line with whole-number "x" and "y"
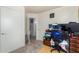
{"x": 62, "y": 15}
{"x": 0, "y": 30}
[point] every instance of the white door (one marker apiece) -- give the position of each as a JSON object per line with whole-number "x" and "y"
{"x": 11, "y": 22}
{"x": 0, "y": 31}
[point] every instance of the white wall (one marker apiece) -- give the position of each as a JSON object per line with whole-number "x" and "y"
{"x": 62, "y": 15}
{"x": 0, "y": 30}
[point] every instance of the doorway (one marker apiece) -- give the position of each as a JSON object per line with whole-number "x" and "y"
{"x": 32, "y": 28}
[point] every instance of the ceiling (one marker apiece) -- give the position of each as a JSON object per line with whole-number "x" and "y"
{"x": 38, "y": 9}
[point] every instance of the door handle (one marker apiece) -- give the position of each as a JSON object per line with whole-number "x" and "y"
{"x": 2, "y": 33}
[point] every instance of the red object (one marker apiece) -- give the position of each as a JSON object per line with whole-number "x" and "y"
{"x": 46, "y": 42}
{"x": 47, "y": 30}
{"x": 74, "y": 43}
{"x": 71, "y": 35}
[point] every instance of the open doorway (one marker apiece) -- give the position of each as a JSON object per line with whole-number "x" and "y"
{"x": 32, "y": 27}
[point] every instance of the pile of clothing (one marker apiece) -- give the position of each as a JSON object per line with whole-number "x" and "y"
{"x": 57, "y": 38}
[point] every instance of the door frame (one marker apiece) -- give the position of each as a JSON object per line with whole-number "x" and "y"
{"x": 32, "y": 22}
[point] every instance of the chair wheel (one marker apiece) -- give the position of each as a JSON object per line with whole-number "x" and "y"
{"x": 52, "y": 50}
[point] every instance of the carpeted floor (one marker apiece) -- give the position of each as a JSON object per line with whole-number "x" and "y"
{"x": 47, "y": 49}
{"x": 36, "y": 46}
{"x": 33, "y": 47}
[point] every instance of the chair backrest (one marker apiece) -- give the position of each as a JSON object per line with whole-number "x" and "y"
{"x": 57, "y": 36}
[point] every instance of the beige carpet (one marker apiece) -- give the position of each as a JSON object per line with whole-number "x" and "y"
{"x": 47, "y": 49}
{"x": 34, "y": 47}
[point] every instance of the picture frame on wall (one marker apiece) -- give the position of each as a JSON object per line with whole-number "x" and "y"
{"x": 52, "y": 15}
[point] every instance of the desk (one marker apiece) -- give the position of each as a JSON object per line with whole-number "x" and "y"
{"x": 46, "y": 42}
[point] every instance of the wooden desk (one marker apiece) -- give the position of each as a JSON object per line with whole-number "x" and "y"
{"x": 46, "y": 42}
